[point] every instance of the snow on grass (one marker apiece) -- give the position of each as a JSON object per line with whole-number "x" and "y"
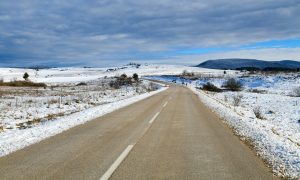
{"x": 15, "y": 139}
{"x": 63, "y": 75}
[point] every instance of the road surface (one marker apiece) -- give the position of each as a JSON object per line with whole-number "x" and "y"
{"x": 171, "y": 135}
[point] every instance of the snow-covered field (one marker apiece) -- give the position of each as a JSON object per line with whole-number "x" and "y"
{"x": 275, "y": 133}
{"x": 62, "y": 75}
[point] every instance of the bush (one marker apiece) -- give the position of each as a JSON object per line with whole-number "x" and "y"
{"x": 26, "y": 76}
{"x": 81, "y": 84}
{"x": 152, "y": 87}
{"x": 211, "y": 87}
{"x": 296, "y": 92}
{"x": 233, "y": 85}
{"x": 237, "y": 100}
{"x": 186, "y": 73}
{"x": 226, "y": 98}
{"x": 123, "y": 80}
{"x": 114, "y": 84}
{"x": 258, "y": 113}
{"x": 135, "y": 76}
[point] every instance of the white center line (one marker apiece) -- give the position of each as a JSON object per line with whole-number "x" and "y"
{"x": 154, "y": 117}
{"x": 165, "y": 104}
{"x": 115, "y": 165}
{"x": 124, "y": 154}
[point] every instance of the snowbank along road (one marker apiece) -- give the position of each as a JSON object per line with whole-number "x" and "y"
{"x": 170, "y": 135}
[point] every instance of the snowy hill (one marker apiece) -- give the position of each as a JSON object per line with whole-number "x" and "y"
{"x": 253, "y": 63}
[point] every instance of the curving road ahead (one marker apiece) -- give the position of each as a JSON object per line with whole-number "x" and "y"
{"x": 171, "y": 135}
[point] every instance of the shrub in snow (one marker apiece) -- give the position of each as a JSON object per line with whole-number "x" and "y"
{"x": 81, "y": 84}
{"x": 225, "y": 98}
{"x": 186, "y": 73}
{"x": 26, "y": 76}
{"x": 135, "y": 76}
{"x": 211, "y": 87}
{"x": 236, "y": 99}
{"x": 233, "y": 85}
{"x": 152, "y": 86}
{"x": 296, "y": 92}
{"x": 258, "y": 113}
{"x": 123, "y": 80}
{"x": 114, "y": 84}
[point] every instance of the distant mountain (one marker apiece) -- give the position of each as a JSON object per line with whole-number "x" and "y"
{"x": 249, "y": 63}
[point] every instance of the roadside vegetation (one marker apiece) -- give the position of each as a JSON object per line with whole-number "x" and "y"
{"x": 233, "y": 85}
{"x": 211, "y": 87}
{"x": 29, "y": 103}
{"x": 22, "y": 84}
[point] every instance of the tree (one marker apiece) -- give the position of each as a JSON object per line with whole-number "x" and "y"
{"x": 26, "y": 76}
{"x": 135, "y": 76}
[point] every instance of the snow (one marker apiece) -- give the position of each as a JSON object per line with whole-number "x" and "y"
{"x": 17, "y": 139}
{"x": 61, "y": 75}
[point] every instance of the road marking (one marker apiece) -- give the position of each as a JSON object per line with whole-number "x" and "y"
{"x": 154, "y": 117}
{"x": 165, "y": 104}
{"x": 125, "y": 153}
{"x": 116, "y": 164}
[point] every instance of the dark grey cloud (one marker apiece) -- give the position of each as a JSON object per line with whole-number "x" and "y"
{"x": 113, "y": 31}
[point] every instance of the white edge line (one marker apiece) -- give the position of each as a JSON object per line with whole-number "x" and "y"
{"x": 165, "y": 104}
{"x": 116, "y": 164}
{"x": 154, "y": 117}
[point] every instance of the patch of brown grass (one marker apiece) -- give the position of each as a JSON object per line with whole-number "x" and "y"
{"x": 22, "y": 84}
{"x": 34, "y": 121}
{"x": 50, "y": 116}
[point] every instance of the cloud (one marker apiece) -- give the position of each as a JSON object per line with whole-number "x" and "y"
{"x": 114, "y": 31}
{"x": 272, "y": 54}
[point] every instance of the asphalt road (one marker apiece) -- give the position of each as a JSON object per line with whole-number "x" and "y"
{"x": 171, "y": 135}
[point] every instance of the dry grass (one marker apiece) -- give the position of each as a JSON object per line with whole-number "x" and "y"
{"x": 34, "y": 121}
{"x": 22, "y": 84}
{"x": 257, "y": 91}
{"x": 53, "y": 101}
{"x": 51, "y": 116}
{"x": 237, "y": 99}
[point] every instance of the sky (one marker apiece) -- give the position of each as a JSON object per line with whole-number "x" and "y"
{"x": 115, "y": 32}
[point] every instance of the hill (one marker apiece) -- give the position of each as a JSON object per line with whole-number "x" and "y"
{"x": 250, "y": 64}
